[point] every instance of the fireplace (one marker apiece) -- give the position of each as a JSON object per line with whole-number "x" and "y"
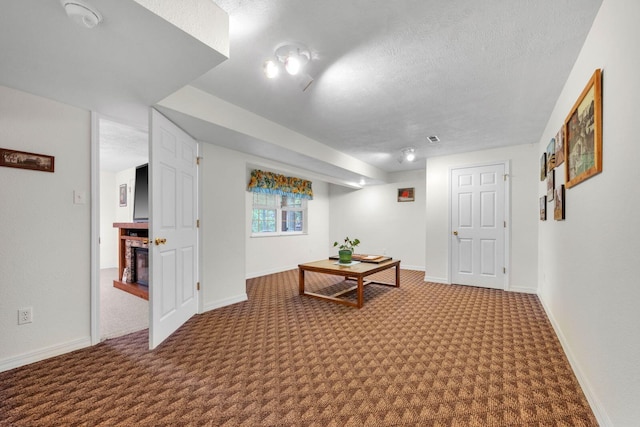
{"x": 141, "y": 266}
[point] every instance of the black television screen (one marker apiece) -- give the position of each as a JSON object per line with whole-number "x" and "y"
{"x": 141, "y": 194}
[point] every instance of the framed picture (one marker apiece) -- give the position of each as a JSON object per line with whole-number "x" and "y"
{"x": 543, "y": 166}
{"x": 543, "y": 208}
{"x": 558, "y": 209}
{"x": 583, "y": 126}
{"x": 406, "y": 195}
{"x": 560, "y": 147}
{"x": 123, "y": 194}
{"x": 551, "y": 155}
{"x": 551, "y": 184}
{"x": 24, "y": 160}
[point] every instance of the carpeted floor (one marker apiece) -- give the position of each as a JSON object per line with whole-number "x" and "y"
{"x": 422, "y": 355}
{"x": 120, "y": 312}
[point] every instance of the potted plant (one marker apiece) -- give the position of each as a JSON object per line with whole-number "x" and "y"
{"x": 346, "y": 249}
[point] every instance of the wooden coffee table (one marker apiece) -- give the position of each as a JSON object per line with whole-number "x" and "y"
{"x": 356, "y": 272}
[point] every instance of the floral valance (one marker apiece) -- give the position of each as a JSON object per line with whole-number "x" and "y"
{"x": 272, "y": 183}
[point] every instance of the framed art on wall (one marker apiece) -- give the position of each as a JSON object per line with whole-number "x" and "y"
{"x": 406, "y": 194}
{"x": 551, "y": 184}
{"x": 543, "y": 166}
{"x": 560, "y": 147}
{"x": 543, "y": 208}
{"x": 583, "y": 126}
{"x": 25, "y": 160}
{"x": 558, "y": 210}
{"x": 123, "y": 195}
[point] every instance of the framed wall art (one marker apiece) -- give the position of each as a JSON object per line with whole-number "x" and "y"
{"x": 25, "y": 160}
{"x": 551, "y": 155}
{"x": 558, "y": 209}
{"x": 551, "y": 184}
{"x": 560, "y": 147}
{"x": 406, "y": 194}
{"x": 543, "y": 166}
{"x": 583, "y": 126}
{"x": 123, "y": 195}
{"x": 543, "y": 208}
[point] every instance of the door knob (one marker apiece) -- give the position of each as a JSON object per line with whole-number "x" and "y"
{"x": 160, "y": 241}
{"x": 455, "y": 233}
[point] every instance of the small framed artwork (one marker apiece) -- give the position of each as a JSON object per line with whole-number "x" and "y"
{"x": 551, "y": 155}
{"x": 551, "y": 184}
{"x": 406, "y": 194}
{"x": 558, "y": 209}
{"x": 543, "y": 208}
{"x": 543, "y": 166}
{"x": 123, "y": 195}
{"x": 583, "y": 127}
{"x": 560, "y": 147}
{"x": 25, "y": 160}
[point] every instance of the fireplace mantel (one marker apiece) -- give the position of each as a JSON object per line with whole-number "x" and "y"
{"x": 131, "y": 235}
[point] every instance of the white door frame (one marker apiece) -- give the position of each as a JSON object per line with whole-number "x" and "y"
{"x": 507, "y": 218}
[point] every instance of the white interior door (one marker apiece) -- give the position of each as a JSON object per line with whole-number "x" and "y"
{"x": 173, "y": 169}
{"x": 478, "y": 227}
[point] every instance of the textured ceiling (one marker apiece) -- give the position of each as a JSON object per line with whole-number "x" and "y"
{"x": 389, "y": 74}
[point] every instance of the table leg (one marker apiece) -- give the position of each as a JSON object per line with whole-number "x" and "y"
{"x": 398, "y": 276}
{"x": 360, "y": 291}
{"x": 301, "y": 281}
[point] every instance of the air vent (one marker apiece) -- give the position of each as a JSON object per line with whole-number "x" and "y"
{"x": 433, "y": 139}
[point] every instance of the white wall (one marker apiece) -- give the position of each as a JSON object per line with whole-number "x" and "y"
{"x": 222, "y": 226}
{"x": 383, "y": 225}
{"x": 523, "y": 179}
{"x": 109, "y": 201}
{"x": 44, "y": 237}
{"x": 266, "y": 255}
{"x": 588, "y": 282}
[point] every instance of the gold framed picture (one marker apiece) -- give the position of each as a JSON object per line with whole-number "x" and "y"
{"x": 583, "y": 126}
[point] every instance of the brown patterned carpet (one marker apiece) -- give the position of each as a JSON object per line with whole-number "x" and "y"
{"x": 422, "y": 355}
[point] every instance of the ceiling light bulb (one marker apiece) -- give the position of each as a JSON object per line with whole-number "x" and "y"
{"x": 292, "y": 64}
{"x": 270, "y": 69}
{"x": 411, "y": 156}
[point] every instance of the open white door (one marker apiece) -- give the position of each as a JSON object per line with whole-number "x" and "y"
{"x": 478, "y": 226}
{"x": 173, "y": 234}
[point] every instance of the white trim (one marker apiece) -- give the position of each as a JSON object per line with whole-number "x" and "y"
{"x": 95, "y": 229}
{"x": 225, "y": 302}
{"x": 596, "y": 406}
{"x": 522, "y": 290}
{"x": 44, "y": 353}
{"x": 506, "y": 284}
{"x": 441, "y": 280}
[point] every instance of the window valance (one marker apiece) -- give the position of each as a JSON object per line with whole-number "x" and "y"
{"x": 272, "y": 183}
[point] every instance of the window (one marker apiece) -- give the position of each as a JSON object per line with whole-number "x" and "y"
{"x": 278, "y": 215}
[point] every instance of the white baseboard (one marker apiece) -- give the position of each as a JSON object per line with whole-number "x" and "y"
{"x": 441, "y": 280}
{"x": 522, "y": 290}
{"x": 597, "y": 408}
{"x": 224, "y": 302}
{"x": 44, "y": 353}
{"x": 412, "y": 267}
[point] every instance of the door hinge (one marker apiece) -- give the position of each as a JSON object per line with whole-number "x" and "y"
{"x": 504, "y": 270}
{"x": 197, "y": 223}
{"x": 505, "y": 224}
{"x": 198, "y": 285}
{"x": 505, "y": 176}
{"x": 198, "y": 160}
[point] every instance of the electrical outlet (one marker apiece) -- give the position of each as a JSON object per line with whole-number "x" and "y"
{"x": 25, "y": 315}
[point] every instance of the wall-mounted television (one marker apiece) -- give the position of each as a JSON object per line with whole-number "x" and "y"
{"x": 141, "y": 194}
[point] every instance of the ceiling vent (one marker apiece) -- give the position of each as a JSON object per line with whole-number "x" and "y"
{"x": 433, "y": 139}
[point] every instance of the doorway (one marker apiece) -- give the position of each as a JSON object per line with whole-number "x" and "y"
{"x": 122, "y": 148}
{"x": 479, "y": 217}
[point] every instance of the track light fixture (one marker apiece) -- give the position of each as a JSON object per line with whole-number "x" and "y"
{"x": 294, "y": 57}
{"x": 408, "y": 154}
